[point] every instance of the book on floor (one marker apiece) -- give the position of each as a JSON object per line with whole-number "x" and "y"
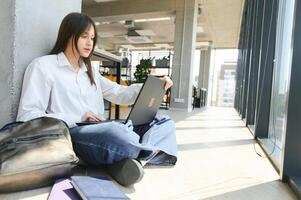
{"x": 63, "y": 190}
{"x": 96, "y": 188}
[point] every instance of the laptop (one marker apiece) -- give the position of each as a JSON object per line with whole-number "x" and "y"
{"x": 146, "y": 105}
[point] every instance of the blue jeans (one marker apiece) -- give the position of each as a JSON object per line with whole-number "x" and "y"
{"x": 108, "y": 142}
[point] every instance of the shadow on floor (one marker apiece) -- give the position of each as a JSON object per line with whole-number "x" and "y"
{"x": 208, "y": 127}
{"x": 259, "y": 192}
{"x": 216, "y": 119}
{"x": 196, "y": 146}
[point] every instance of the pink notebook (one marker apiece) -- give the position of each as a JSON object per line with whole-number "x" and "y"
{"x": 63, "y": 190}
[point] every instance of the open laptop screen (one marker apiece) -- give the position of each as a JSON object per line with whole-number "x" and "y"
{"x": 146, "y": 105}
{"x": 148, "y": 101}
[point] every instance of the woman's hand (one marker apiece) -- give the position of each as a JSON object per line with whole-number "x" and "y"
{"x": 91, "y": 117}
{"x": 168, "y": 82}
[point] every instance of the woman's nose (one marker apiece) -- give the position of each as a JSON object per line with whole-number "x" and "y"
{"x": 90, "y": 42}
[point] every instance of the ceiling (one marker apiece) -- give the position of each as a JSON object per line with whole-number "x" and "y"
{"x": 153, "y": 21}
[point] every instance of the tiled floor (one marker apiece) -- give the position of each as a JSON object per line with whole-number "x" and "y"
{"x": 216, "y": 160}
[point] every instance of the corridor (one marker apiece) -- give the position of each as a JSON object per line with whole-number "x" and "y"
{"x": 217, "y": 160}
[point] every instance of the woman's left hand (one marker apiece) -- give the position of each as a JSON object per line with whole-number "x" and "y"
{"x": 168, "y": 82}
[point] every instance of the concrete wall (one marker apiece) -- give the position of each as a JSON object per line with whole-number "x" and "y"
{"x": 28, "y": 30}
{"x": 6, "y": 41}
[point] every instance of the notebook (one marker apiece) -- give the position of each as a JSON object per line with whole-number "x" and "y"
{"x": 146, "y": 105}
{"x": 97, "y": 188}
{"x": 63, "y": 190}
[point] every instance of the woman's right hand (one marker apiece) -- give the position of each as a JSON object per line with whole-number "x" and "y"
{"x": 91, "y": 117}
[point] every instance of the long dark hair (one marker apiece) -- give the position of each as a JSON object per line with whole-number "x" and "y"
{"x": 73, "y": 25}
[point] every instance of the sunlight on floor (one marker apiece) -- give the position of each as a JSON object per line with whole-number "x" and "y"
{"x": 216, "y": 156}
{"x": 216, "y": 160}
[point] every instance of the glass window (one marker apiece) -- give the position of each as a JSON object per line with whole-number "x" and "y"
{"x": 282, "y": 68}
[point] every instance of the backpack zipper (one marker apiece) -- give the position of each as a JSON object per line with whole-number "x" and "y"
{"x": 12, "y": 143}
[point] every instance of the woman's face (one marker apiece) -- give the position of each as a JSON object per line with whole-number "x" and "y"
{"x": 85, "y": 42}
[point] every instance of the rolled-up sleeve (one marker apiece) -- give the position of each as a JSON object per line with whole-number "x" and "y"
{"x": 119, "y": 94}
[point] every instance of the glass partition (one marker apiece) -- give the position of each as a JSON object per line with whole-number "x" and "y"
{"x": 281, "y": 77}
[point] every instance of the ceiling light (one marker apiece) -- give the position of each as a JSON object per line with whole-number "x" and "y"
{"x": 102, "y": 1}
{"x": 145, "y": 32}
{"x": 140, "y": 20}
{"x": 163, "y": 45}
{"x": 153, "y": 19}
{"x": 203, "y": 44}
{"x": 138, "y": 39}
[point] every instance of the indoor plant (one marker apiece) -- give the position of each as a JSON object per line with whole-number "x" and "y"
{"x": 143, "y": 70}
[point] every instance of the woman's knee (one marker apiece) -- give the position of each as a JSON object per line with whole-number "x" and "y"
{"x": 166, "y": 125}
{"x": 113, "y": 143}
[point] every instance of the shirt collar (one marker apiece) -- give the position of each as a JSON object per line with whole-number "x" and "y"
{"x": 63, "y": 62}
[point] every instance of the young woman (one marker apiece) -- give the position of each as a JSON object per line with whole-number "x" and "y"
{"x": 63, "y": 85}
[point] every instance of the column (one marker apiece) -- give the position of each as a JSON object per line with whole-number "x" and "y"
{"x": 203, "y": 81}
{"x": 184, "y": 49}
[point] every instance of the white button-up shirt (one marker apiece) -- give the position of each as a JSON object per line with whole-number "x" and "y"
{"x": 51, "y": 87}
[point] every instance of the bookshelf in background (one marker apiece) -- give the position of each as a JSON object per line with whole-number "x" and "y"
{"x": 101, "y": 56}
{"x": 108, "y": 69}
